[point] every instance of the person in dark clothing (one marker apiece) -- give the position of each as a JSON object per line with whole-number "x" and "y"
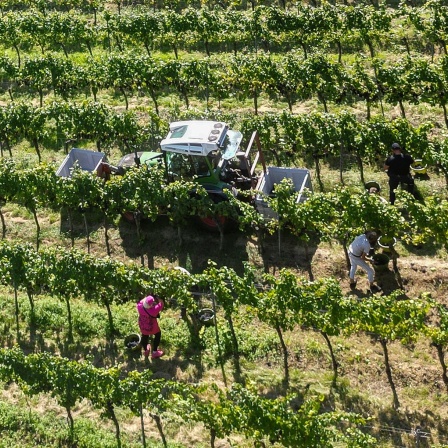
{"x": 398, "y": 168}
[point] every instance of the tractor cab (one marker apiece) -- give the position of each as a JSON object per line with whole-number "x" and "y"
{"x": 207, "y": 152}
{"x": 200, "y": 150}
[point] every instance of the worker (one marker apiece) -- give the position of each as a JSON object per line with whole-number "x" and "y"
{"x": 398, "y": 168}
{"x": 148, "y": 312}
{"x": 359, "y": 255}
{"x": 376, "y": 192}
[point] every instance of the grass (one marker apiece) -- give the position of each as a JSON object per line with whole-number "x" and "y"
{"x": 23, "y": 427}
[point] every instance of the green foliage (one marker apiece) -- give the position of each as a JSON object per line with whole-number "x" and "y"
{"x": 49, "y": 317}
{"x": 391, "y": 319}
{"x": 280, "y": 421}
{"x": 277, "y": 306}
{"x": 325, "y": 308}
{"x": 340, "y": 214}
{"x": 89, "y": 324}
{"x": 255, "y": 345}
{"x": 26, "y": 428}
{"x": 282, "y": 301}
{"x": 437, "y": 330}
{"x": 427, "y": 220}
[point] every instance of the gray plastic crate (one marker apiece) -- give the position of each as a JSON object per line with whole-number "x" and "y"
{"x": 87, "y": 160}
{"x": 301, "y": 179}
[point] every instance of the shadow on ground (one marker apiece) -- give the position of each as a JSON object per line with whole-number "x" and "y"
{"x": 160, "y": 240}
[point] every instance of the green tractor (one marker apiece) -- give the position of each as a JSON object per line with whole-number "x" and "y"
{"x": 209, "y": 153}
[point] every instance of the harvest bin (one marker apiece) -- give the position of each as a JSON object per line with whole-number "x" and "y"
{"x": 274, "y": 175}
{"x": 87, "y": 160}
{"x": 132, "y": 342}
{"x": 387, "y": 243}
{"x": 418, "y": 167}
{"x": 381, "y": 262}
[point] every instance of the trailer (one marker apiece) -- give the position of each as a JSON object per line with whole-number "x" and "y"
{"x": 301, "y": 180}
{"x": 85, "y": 159}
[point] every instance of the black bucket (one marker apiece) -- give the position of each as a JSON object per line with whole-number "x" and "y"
{"x": 372, "y": 184}
{"x": 381, "y": 262}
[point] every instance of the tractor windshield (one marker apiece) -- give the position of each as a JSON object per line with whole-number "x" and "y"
{"x": 187, "y": 166}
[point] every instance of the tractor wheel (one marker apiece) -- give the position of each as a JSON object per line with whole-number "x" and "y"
{"x": 128, "y": 216}
{"x": 212, "y": 223}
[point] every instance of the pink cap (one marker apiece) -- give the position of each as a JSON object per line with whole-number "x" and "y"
{"x": 148, "y": 301}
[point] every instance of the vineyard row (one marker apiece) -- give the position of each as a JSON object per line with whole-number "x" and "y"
{"x": 282, "y": 303}
{"x": 290, "y": 77}
{"x": 238, "y": 411}
{"x": 336, "y": 214}
{"x": 220, "y": 29}
{"x": 300, "y": 135}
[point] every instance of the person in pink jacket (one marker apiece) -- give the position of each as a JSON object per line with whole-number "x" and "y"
{"x": 148, "y": 311}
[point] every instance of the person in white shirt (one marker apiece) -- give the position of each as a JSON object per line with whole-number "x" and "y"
{"x": 358, "y": 253}
{"x": 376, "y": 192}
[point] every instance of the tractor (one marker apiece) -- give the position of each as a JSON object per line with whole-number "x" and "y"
{"x": 210, "y": 153}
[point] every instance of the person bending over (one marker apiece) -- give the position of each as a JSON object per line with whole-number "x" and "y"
{"x": 358, "y": 253}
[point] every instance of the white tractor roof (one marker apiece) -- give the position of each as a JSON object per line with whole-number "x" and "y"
{"x": 195, "y": 137}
